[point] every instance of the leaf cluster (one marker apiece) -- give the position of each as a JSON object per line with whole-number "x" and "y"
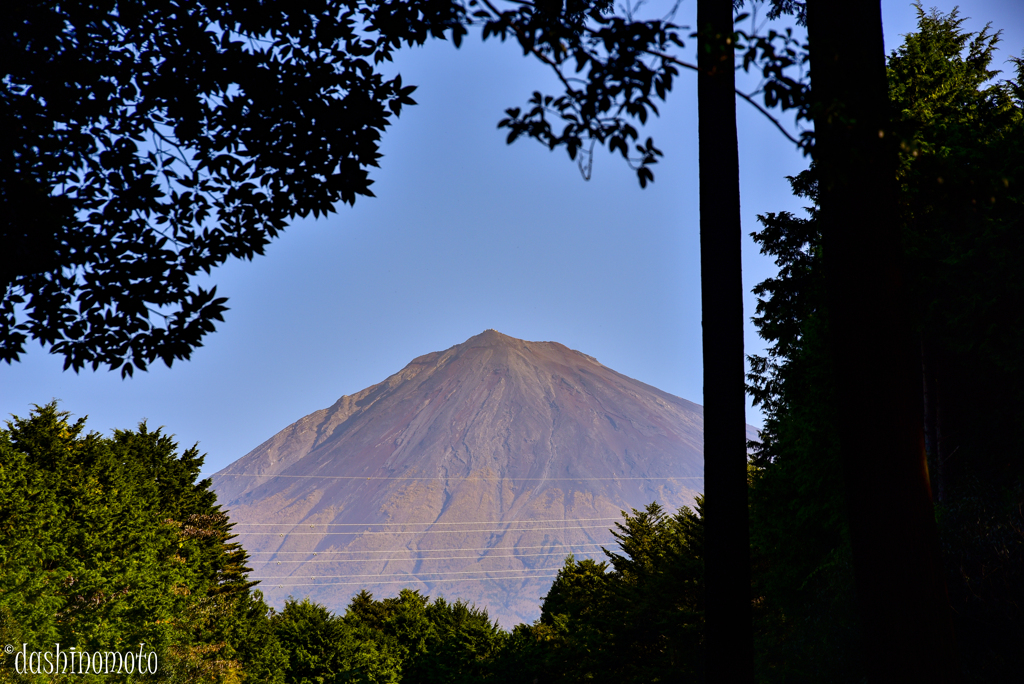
{"x": 962, "y": 170}
{"x": 407, "y": 638}
{"x": 607, "y": 66}
{"x": 438, "y": 641}
{"x": 149, "y": 140}
{"x": 614, "y": 69}
{"x": 636, "y": 618}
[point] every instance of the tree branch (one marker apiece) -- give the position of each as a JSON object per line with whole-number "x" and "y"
{"x": 748, "y": 98}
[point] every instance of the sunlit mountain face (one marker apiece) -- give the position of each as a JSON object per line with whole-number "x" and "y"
{"x": 471, "y": 473}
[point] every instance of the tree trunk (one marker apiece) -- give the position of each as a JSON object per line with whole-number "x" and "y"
{"x": 729, "y": 635}
{"x": 904, "y": 611}
{"x": 931, "y": 423}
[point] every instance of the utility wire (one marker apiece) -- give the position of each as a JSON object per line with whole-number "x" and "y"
{"x": 403, "y": 574}
{"x": 506, "y": 529}
{"x": 489, "y": 548}
{"x": 428, "y": 522}
{"x": 465, "y": 479}
{"x": 388, "y": 560}
{"x": 370, "y": 583}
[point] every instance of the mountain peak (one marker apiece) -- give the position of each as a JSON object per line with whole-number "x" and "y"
{"x": 491, "y": 337}
{"x": 507, "y": 453}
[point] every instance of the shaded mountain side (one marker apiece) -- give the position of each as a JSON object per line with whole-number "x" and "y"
{"x": 470, "y": 473}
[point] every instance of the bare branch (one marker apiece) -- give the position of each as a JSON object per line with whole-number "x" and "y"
{"x": 748, "y": 98}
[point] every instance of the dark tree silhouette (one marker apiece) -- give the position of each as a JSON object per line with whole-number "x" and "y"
{"x": 894, "y": 541}
{"x": 147, "y": 141}
{"x": 729, "y": 649}
{"x": 903, "y": 606}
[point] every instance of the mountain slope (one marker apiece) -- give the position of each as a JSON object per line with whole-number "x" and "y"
{"x": 492, "y": 459}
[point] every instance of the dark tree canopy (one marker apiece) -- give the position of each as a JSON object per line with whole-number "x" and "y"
{"x": 959, "y": 131}
{"x": 146, "y": 141}
{"x": 615, "y": 67}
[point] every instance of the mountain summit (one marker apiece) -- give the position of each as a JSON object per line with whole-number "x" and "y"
{"x": 470, "y": 473}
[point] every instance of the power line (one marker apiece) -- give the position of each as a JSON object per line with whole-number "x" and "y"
{"x": 433, "y": 581}
{"x": 388, "y": 560}
{"x": 488, "y": 548}
{"x": 403, "y": 574}
{"x": 324, "y": 534}
{"x": 428, "y": 522}
{"x": 468, "y": 479}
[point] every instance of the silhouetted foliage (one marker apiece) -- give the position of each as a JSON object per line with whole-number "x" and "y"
{"x": 614, "y": 67}
{"x": 960, "y": 205}
{"x": 148, "y": 141}
{"x": 807, "y": 628}
{"x": 964, "y": 210}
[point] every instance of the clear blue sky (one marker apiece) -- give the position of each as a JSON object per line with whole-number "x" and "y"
{"x": 466, "y": 233}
